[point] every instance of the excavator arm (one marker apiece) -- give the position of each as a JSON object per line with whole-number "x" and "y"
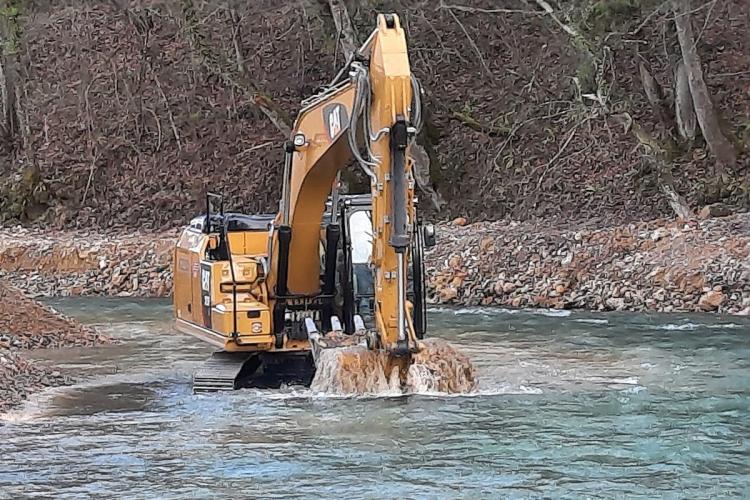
{"x": 370, "y": 115}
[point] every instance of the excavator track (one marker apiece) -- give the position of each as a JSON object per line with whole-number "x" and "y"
{"x": 219, "y": 372}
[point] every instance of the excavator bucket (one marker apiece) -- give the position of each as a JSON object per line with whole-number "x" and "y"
{"x": 345, "y": 366}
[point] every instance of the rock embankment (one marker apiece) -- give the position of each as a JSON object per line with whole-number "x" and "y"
{"x": 663, "y": 265}
{"x": 25, "y": 324}
{"x": 656, "y": 266}
{"x": 49, "y": 264}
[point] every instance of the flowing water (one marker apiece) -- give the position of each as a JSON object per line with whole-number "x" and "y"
{"x": 576, "y": 406}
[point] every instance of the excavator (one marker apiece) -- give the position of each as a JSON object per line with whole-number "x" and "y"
{"x": 273, "y": 291}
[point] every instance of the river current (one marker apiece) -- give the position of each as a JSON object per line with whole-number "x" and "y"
{"x": 579, "y": 405}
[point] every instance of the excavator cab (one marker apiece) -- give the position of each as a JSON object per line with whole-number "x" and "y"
{"x": 355, "y": 284}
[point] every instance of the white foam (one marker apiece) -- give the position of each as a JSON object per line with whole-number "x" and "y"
{"x": 634, "y": 390}
{"x": 729, "y": 326}
{"x": 675, "y": 327}
{"x": 496, "y": 311}
{"x": 625, "y": 381}
{"x": 552, "y": 313}
{"x": 592, "y": 321}
{"x": 486, "y": 311}
{"x": 529, "y": 390}
{"x": 689, "y": 326}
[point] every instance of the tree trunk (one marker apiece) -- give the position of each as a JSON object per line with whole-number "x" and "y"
{"x": 421, "y": 170}
{"x": 683, "y": 104}
{"x": 10, "y": 31}
{"x": 666, "y": 183}
{"x": 659, "y": 158}
{"x": 708, "y": 120}
{"x": 655, "y": 96}
{"x": 349, "y": 45}
{"x": 347, "y": 37}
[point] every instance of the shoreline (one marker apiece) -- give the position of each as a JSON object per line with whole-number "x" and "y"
{"x": 657, "y": 266}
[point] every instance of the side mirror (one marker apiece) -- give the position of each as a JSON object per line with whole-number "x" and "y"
{"x": 428, "y": 235}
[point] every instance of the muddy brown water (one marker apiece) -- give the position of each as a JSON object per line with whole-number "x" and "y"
{"x": 568, "y": 406}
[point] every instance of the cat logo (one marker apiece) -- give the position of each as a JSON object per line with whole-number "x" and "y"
{"x": 336, "y": 119}
{"x": 206, "y": 280}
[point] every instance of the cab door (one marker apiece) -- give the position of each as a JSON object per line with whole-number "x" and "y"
{"x": 186, "y": 255}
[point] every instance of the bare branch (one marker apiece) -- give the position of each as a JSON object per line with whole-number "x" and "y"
{"x": 551, "y": 13}
{"x": 658, "y": 157}
{"x": 346, "y": 35}
{"x": 464, "y": 8}
{"x": 471, "y": 41}
{"x": 169, "y": 111}
{"x": 648, "y": 17}
{"x": 214, "y": 64}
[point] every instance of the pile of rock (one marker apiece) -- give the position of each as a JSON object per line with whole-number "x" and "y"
{"x": 662, "y": 265}
{"x": 656, "y": 266}
{"x": 47, "y": 264}
{"x": 26, "y": 324}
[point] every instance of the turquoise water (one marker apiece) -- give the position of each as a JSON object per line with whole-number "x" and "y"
{"x": 570, "y": 406}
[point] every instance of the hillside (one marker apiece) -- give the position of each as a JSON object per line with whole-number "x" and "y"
{"x": 132, "y": 109}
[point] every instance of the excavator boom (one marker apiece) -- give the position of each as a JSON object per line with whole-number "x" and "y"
{"x": 370, "y": 111}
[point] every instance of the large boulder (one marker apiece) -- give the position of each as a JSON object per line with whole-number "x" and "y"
{"x": 710, "y": 301}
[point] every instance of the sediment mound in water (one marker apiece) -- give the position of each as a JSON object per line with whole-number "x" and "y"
{"x": 27, "y": 324}
{"x": 355, "y": 370}
{"x": 440, "y": 367}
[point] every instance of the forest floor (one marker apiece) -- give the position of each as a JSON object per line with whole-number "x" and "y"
{"x": 127, "y": 123}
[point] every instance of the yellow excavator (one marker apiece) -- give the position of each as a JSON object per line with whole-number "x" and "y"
{"x": 271, "y": 291}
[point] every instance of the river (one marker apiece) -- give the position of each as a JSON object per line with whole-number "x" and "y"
{"x": 570, "y": 406}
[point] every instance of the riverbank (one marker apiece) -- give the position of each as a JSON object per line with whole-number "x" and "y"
{"x": 659, "y": 266}
{"x": 71, "y": 263}
{"x": 662, "y": 265}
{"x": 28, "y": 325}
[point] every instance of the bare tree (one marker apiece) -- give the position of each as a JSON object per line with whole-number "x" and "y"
{"x": 420, "y": 158}
{"x": 683, "y": 104}
{"x": 347, "y": 37}
{"x": 10, "y": 31}
{"x": 218, "y": 67}
{"x": 660, "y": 159}
{"x": 708, "y": 120}
{"x": 655, "y": 96}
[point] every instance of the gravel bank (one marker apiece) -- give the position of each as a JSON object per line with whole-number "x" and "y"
{"x": 663, "y": 265}
{"x": 24, "y": 325}
{"x": 61, "y": 264}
